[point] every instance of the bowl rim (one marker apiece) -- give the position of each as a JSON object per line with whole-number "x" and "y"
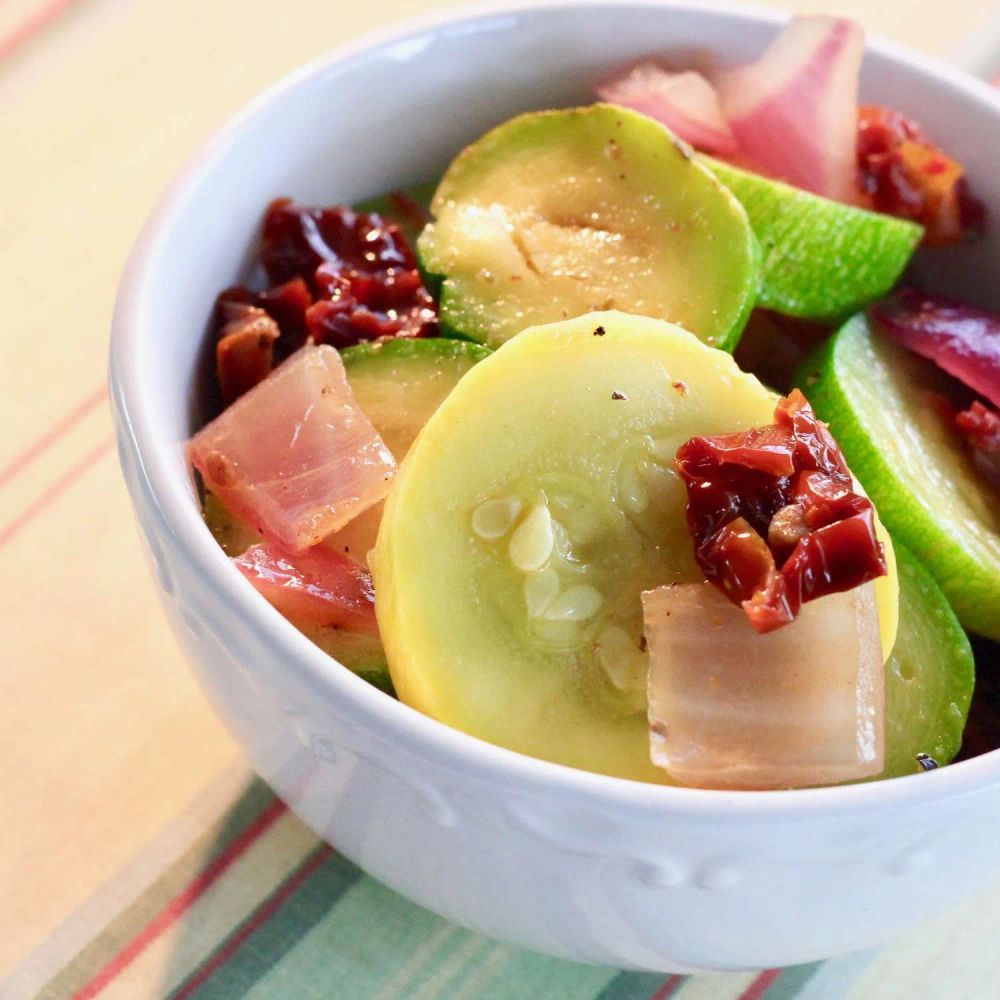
{"x": 423, "y": 737}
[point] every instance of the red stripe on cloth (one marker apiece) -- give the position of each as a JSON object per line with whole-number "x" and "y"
{"x": 30, "y": 25}
{"x": 256, "y": 921}
{"x": 58, "y": 430}
{"x": 667, "y": 988}
{"x": 183, "y": 901}
{"x": 760, "y": 985}
{"x": 55, "y": 490}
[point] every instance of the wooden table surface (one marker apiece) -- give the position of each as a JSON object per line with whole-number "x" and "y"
{"x": 104, "y": 738}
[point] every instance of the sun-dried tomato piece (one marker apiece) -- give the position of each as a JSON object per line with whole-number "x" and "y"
{"x": 980, "y": 427}
{"x": 409, "y": 213}
{"x": 297, "y": 239}
{"x": 767, "y": 449}
{"x": 355, "y": 307}
{"x": 339, "y": 277}
{"x": 750, "y": 567}
{"x": 360, "y": 271}
{"x": 840, "y": 556}
{"x": 825, "y": 498}
{"x": 244, "y": 353}
{"x": 906, "y": 175}
{"x": 775, "y": 517}
{"x": 286, "y": 304}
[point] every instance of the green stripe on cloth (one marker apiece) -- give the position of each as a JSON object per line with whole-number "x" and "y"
{"x": 640, "y": 986}
{"x": 834, "y": 978}
{"x": 791, "y": 981}
{"x": 325, "y": 930}
{"x": 116, "y": 935}
{"x": 375, "y": 945}
{"x": 265, "y": 937}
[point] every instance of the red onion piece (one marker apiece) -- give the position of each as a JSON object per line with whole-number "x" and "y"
{"x": 685, "y": 102}
{"x": 962, "y": 340}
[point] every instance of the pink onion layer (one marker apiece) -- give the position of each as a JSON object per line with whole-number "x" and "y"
{"x": 295, "y": 457}
{"x": 794, "y": 111}
{"x": 318, "y": 587}
{"x": 685, "y": 102}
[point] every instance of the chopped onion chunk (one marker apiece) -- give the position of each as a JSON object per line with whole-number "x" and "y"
{"x": 685, "y": 102}
{"x": 729, "y": 708}
{"x": 295, "y": 456}
{"x": 794, "y": 111}
{"x": 318, "y": 587}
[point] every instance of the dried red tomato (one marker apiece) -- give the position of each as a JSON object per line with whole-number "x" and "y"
{"x": 354, "y": 306}
{"x": 286, "y": 304}
{"x": 244, "y": 353}
{"x": 774, "y": 515}
{"x": 906, "y": 175}
{"x": 980, "y": 428}
{"x": 297, "y": 239}
{"x": 338, "y": 276}
{"x": 359, "y": 267}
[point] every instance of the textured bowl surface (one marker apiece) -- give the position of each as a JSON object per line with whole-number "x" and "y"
{"x": 561, "y": 861}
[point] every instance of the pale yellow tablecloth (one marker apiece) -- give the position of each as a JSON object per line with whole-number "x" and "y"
{"x": 104, "y": 740}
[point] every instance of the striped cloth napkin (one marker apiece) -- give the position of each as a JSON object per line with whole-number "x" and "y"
{"x": 139, "y": 857}
{"x": 258, "y": 907}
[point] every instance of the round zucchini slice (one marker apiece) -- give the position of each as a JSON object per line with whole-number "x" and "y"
{"x": 400, "y": 383}
{"x": 822, "y": 259}
{"x": 233, "y": 535}
{"x": 557, "y": 213}
{"x": 535, "y": 507}
{"x": 875, "y": 397}
{"x": 928, "y": 678}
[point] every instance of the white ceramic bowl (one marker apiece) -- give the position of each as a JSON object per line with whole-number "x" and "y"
{"x": 575, "y": 864}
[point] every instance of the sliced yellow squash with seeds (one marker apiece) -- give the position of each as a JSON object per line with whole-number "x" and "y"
{"x": 536, "y": 505}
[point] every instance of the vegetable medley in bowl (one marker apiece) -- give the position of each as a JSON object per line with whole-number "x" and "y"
{"x": 628, "y": 443}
